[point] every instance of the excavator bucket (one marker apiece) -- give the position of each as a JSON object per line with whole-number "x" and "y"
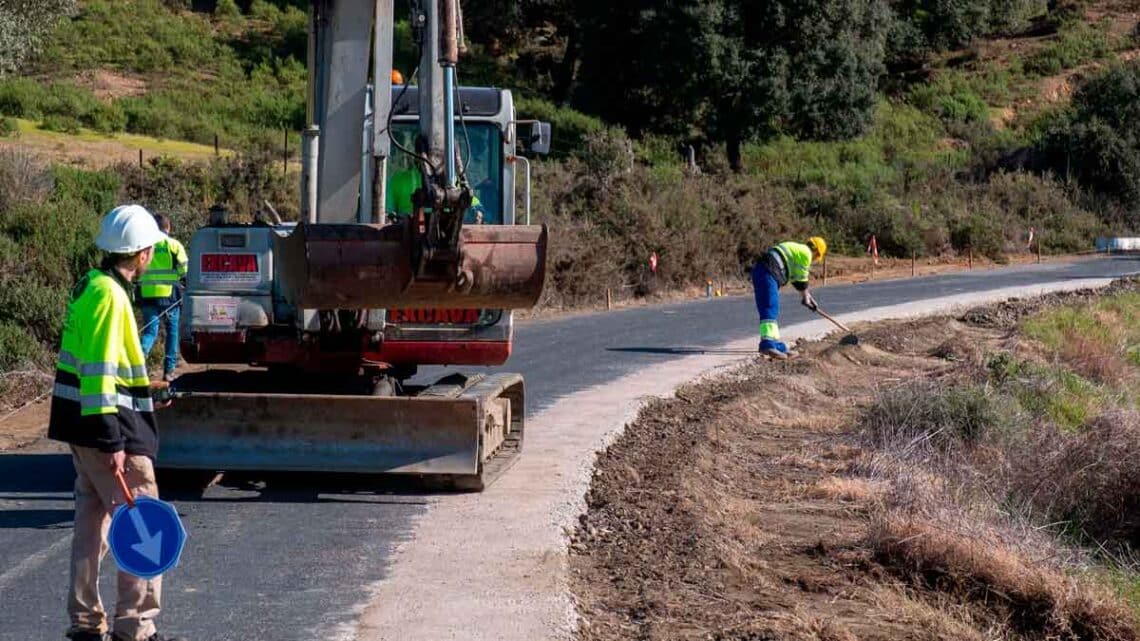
{"x": 467, "y": 428}
{"x": 360, "y": 266}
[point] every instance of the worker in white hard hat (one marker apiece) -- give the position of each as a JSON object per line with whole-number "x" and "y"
{"x": 102, "y": 408}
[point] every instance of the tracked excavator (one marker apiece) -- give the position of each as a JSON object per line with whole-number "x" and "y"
{"x": 408, "y": 253}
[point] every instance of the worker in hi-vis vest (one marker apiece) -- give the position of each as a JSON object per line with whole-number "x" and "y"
{"x": 102, "y": 408}
{"x": 160, "y": 289}
{"x": 404, "y": 182}
{"x": 787, "y": 262}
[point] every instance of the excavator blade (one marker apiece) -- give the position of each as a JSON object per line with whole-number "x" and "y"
{"x": 359, "y": 266}
{"x": 468, "y": 428}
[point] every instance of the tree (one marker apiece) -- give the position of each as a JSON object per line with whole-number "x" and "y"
{"x": 23, "y": 25}
{"x": 729, "y": 71}
{"x": 923, "y": 26}
{"x": 1098, "y": 143}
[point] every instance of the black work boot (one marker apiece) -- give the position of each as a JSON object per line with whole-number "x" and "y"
{"x": 86, "y": 635}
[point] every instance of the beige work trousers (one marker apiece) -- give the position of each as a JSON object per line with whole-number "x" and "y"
{"x": 97, "y": 494}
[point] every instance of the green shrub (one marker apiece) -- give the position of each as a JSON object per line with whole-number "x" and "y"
{"x": 569, "y": 128}
{"x": 95, "y": 189}
{"x": 658, "y": 151}
{"x": 19, "y": 349}
{"x": 107, "y": 119}
{"x": 33, "y": 306}
{"x": 21, "y": 97}
{"x": 919, "y": 417}
{"x": 979, "y": 232}
{"x": 62, "y": 124}
{"x": 1077, "y": 42}
{"x": 1063, "y": 397}
{"x": 950, "y": 102}
{"x": 227, "y": 9}
{"x": 8, "y": 127}
{"x": 1041, "y": 203}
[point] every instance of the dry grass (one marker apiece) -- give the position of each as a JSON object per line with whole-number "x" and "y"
{"x": 1088, "y": 482}
{"x": 1036, "y": 598}
{"x": 22, "y": 180}
{"x": 930, "y": 415}
{"x": 1095, "y": 360}
{"x": 847, "y": 489}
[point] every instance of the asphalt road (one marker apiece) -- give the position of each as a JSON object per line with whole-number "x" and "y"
{"x": 291, "y": 558}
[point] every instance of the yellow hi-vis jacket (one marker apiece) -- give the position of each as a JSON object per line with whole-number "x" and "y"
{"x": 795, "y": 260}
{"x": 166, "y": 268}
{"x": 101, "y": 397}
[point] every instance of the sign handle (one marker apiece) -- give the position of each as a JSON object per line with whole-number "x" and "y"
{"x": 126, "y": 490}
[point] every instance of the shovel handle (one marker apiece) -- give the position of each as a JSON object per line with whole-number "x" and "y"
{"x": 126, "y": 490}
{"x": 835, "y": 322}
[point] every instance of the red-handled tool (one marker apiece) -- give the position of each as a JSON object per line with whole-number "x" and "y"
{"x": 126, "y": 490}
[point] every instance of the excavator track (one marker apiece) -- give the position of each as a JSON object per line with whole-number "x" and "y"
{"x": 462, "y": 432}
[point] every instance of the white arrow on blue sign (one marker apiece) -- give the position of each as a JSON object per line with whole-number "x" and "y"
{"x": 147, "y": 539}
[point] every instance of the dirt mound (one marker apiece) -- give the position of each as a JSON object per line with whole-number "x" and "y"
{"x": 861, "y": 354}
{"x": 1006, "y": 315}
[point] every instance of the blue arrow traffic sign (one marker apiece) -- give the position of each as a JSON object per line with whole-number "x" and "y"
{"x": 146, "y": 539}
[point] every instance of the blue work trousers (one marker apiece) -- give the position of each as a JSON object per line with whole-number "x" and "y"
{"x": 767, "y": 293}
{"x": 152, "y": 309}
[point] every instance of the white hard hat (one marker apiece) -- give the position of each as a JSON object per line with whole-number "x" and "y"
{"x": 127, "y": 229}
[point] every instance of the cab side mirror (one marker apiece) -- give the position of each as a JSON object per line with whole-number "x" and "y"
{"x": 539, "y": 142}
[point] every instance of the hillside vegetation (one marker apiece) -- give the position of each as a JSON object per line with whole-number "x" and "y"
{"x": 940, "y": 127}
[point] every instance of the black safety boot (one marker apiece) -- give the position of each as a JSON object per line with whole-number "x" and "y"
{"x": 86, "y": 635}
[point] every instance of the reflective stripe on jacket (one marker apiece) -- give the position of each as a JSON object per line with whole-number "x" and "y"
{"x": 101, "y": 397}
{"x": 166, "y": 268}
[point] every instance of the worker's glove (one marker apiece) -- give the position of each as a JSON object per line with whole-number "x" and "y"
{"x": 809, "y": 302}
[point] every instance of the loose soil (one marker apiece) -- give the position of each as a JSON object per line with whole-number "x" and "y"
{"x": 731, "y": 511}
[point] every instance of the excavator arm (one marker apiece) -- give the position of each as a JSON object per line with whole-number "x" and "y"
{"x": 342, "y": 257}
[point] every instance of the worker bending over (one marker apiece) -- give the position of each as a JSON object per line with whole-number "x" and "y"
{"x": 102, "y": 408}
{"x": 161, "y": 292}
{"x": 786, "y": 262}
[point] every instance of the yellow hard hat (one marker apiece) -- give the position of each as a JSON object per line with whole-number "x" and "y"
{"x": 819, "y": 245}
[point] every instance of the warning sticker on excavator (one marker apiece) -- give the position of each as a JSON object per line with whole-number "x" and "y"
{"x": 230, "y": 269}
{"x": 231, "y": 278}
{"x": 221, "y": 313}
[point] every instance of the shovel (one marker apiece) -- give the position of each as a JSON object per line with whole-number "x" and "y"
{"x": 850, "y": 338}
